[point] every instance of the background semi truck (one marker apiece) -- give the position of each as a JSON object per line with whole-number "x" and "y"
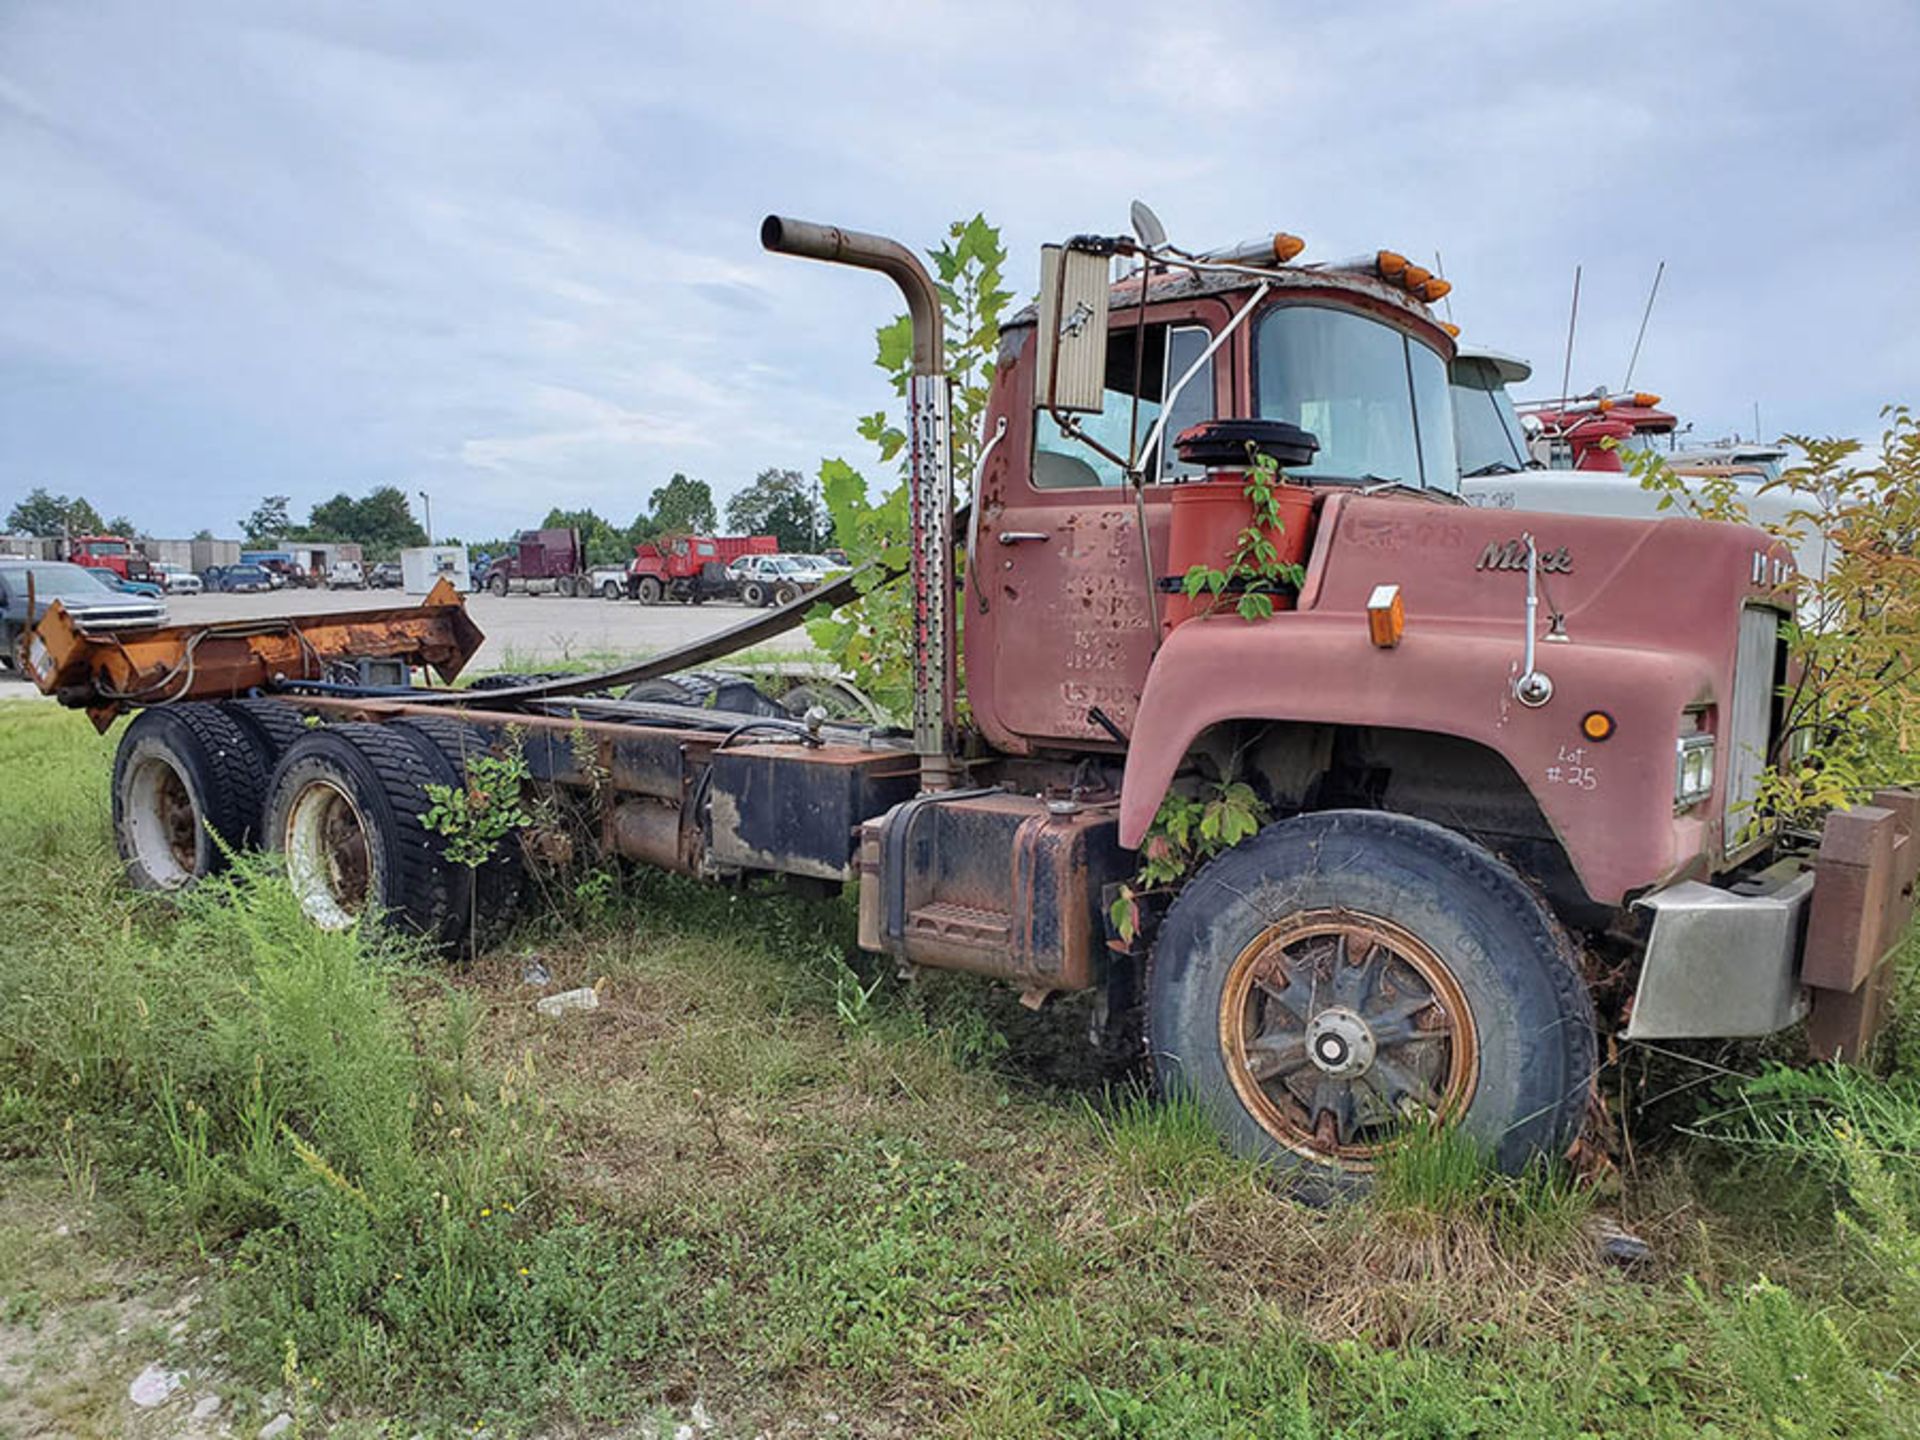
{"x": 1386, "y": 825}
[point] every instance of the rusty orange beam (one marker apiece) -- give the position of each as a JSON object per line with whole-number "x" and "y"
{"x": 106, "y": 672}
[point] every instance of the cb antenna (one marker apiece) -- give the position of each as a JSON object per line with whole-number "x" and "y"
{"x": 1440, "y": 269}
{"x": 1573, "y": 319}
{"x": 1645, "y": 315}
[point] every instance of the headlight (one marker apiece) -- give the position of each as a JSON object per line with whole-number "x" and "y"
{"x": 1692, "y": 770}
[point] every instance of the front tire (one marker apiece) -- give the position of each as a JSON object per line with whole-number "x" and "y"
{"x": 752, "y": 594}
{"x": 649, "y": 590}
{"x": 497, "y": 585}
{"x": 1343, "y": 974}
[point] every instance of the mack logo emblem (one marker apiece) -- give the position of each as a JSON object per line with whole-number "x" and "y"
{"x": 1512, "y": 555}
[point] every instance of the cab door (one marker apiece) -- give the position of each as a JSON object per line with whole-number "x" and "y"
{"x": 1074, "y": 596}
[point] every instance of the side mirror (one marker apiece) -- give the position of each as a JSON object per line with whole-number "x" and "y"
{"x": 1070, "y": 359}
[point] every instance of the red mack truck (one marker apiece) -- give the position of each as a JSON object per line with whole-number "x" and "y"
{"x": 1502, "y": 763}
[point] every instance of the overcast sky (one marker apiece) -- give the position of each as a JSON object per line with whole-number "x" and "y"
{"x": 507, "y": 252}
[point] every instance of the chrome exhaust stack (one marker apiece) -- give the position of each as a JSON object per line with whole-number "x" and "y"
{"x": 929, "y": 475}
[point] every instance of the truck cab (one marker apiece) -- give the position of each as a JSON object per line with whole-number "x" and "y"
{"x": 109, "y": 552}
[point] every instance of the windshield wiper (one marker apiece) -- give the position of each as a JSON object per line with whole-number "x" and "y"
{"x": 1494, "y": 467}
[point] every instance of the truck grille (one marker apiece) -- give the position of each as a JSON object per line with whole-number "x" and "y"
{"x": 1747, "y": 736}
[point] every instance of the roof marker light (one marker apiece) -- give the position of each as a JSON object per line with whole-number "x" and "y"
{"x": 1390, "y": 264}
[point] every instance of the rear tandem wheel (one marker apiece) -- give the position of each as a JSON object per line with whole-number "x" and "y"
{"x": 346, "y": 807}
{"x": 182, "y": 776}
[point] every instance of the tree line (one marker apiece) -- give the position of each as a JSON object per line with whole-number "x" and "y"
{"x": 50, "y": 516}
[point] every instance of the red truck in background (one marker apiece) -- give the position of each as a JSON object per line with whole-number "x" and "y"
{"x": 689, "y": 568}
{"x": 109, "y": 552}
{"x": 541, "y": 560}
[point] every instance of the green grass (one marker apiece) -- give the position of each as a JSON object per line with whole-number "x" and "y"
{"x": 767, "y": 1175}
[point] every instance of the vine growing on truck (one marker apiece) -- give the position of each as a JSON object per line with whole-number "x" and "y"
{"x": 872, "y": 639}
{"x": 1254, "y": 572}
{"x": 477, "y": 817}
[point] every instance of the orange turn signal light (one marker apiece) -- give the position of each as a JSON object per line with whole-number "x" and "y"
{"x": 1391, "y": 264}
{"x": 1434, "y": 289}
{"x": 1415, "y": 276}
{"x": 1286, "y": 246}
{"x": 1451, "y": 328}
{"x": 1596, "y": 725}
{"x": 1386, "y": 616}
{"x": 1604, "y": 405}
{"x": 1645, "y": 400}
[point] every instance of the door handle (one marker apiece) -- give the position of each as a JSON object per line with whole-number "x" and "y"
{"x": 1020, "y": 537}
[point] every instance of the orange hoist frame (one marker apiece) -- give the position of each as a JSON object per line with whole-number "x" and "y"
{"x": 107, "y": 672}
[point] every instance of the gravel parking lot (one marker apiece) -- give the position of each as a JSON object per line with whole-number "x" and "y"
{"x": 523, "y": 631}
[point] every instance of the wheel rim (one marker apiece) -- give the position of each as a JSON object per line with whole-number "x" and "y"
{"x": 328, "y": 863}
{"x": 163, "y": 823}
{"x": 1340, "y": 1028}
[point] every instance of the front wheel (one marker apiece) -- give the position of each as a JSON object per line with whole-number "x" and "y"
{"x": 610, "y": 590}
{"x": 497, "y": 584}
{"x": 1343, "y": 975}
{"x": 650, "y": 590}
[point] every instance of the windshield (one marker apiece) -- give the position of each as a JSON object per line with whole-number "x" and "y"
{"x": 1374, "y": 398}
{"x": 106, "y": 547}
{"x": 1486, "y": 431}
{"x": 57, "y": 580}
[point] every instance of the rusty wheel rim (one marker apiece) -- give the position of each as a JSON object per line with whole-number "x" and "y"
{"x": 328, "y": 862}
{"x": 163, "y": 822}
{"x": 1339, "y": 1029}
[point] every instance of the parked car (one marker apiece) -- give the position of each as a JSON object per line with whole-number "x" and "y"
{"x": 78, "y": 588}
{"x": 234, "y": 578}
{"x": 178, "y": 580}
{"x": 772, "y": 579}
{"x": 346, "y": 575}
{"x": 386, "y": 575}
{"x": 152, "y": 589}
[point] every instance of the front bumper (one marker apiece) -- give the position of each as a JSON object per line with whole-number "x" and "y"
{"x": 1795, "y": 939}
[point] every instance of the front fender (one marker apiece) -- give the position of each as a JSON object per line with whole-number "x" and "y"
{"x": 1610, "y": 804}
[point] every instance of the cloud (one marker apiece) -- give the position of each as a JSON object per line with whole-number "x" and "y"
{"x": 510, "y": 255}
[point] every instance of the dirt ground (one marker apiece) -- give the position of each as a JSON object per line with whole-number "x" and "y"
{"x": 520, "y": 629}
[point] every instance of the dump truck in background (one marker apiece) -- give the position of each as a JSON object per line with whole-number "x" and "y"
{"x": 540, "y": 561}
{"x": 1483, "y": 798}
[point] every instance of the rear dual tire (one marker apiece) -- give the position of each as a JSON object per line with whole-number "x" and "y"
{"x": 188, "y": 782}
{"x": 345, "y": 805}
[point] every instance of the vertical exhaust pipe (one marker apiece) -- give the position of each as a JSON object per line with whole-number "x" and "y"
{"x": 929, "y": 475}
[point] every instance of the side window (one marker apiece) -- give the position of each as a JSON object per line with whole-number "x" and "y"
{"x": 1165, "y": 354}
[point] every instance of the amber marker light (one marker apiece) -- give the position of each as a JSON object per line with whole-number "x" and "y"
{"x": 1391, "y": 264}
{"x": 1451, "y": 328}
{"x": 1286, "y": 246}
{"x": 1434, "y": 289}
{"x": 1645, "y": 400}
{"x": 1596, "y": 725}
{"x": 1386, "y": 616}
